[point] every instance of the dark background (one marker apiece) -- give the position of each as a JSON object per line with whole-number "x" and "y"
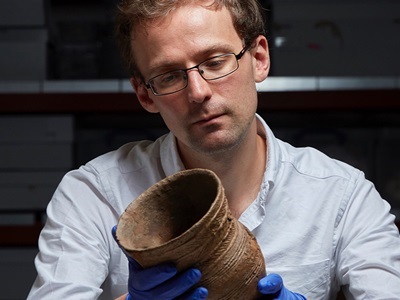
{"x": 65, "y": 98}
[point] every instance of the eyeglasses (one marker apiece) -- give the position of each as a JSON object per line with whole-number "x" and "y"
{"x": 211, "y": 69}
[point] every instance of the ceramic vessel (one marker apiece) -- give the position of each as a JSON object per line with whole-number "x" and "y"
{"x": 185, "y": 219}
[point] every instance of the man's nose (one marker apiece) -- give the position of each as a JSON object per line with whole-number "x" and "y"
{"x": 198, "y": 88}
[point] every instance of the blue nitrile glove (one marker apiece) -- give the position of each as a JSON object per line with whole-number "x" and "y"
{"x": 272, "y": 285}
{"x": 162, "y": 281}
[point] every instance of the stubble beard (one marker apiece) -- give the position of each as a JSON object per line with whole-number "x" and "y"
{"x": 223, "y": 143}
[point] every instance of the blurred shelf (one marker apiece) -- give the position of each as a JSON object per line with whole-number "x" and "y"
{"x": 20, "y": 235}
{"x": 275, "y": 94}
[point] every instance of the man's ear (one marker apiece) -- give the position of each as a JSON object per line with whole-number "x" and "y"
{"x": 143, "y": 95}
{"x": 261, "y": 60}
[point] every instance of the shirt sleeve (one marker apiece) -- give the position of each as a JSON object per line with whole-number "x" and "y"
{"x": 74, "y": 246}
{"x": 368, "y": 245}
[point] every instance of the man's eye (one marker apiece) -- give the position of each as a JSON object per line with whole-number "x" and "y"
{"x": 170, "y": 78}
{"x": 215, "y": 63}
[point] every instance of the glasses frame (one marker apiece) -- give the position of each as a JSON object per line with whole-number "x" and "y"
{"x": 238, "y": 56}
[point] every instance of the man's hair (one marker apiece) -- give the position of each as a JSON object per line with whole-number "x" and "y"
{"x": 247, "y": 15}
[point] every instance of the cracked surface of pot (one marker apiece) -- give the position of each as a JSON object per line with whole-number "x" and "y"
{"x": 185, "y": 219}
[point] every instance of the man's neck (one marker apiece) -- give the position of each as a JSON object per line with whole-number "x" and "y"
{"x": 241, "y": 170}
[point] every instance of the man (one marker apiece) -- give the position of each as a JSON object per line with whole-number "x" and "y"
{"x": 321, "y": 226}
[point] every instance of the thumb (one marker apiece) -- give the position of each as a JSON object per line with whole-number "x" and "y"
{"x": 271, "y": 284}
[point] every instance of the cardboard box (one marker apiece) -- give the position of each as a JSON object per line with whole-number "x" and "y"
{"x": 17, "y": 272}
{"x": 19, "y": 13}
{"x": 45, "y": 129}
{"x": 23, "y": 54}
{"x": 335, "y": 38}
{"x": 24, "y": 191}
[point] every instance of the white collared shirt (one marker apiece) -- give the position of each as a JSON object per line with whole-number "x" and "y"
{"x": 319, "y": 222}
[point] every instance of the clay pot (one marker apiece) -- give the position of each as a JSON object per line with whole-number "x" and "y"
{"x": 185, "y": 219}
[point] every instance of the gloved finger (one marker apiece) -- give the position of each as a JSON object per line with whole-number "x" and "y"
{"x": 288, "y": 295}
{"x": 199, "y": 293}
{"x": 270, "y": 284}
{"x": 172, "y": 288}
{"x": 134, "y": 266}
{"x": 128, "y": 297}
{"x": 148, "y": 278}
{"x": 114, "y": 234}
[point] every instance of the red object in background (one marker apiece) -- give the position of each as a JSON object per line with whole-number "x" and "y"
{"x": 20, "y": 235}
{"x": 314, "y": 46}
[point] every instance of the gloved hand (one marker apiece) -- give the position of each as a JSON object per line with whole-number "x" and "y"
{"x": 272, "y": 285}
{"x": 161, "y": 281}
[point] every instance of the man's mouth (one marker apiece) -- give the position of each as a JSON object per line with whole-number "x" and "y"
{"x": 208, "y": 120}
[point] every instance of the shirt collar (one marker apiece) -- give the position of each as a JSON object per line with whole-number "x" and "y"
{"x": 273, "y": 151}
{"x": 172, "y": 163}
{"x": 170, "y": 160}
{"x": 254, "y": 215}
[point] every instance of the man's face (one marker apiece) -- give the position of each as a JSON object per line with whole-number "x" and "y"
{"x": 207, "y": 116}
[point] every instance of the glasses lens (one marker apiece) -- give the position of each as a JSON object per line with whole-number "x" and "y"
{"x": 210, "y": 69}
{"x": 169, "y": 82}
{"x": 219, "y": 66}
